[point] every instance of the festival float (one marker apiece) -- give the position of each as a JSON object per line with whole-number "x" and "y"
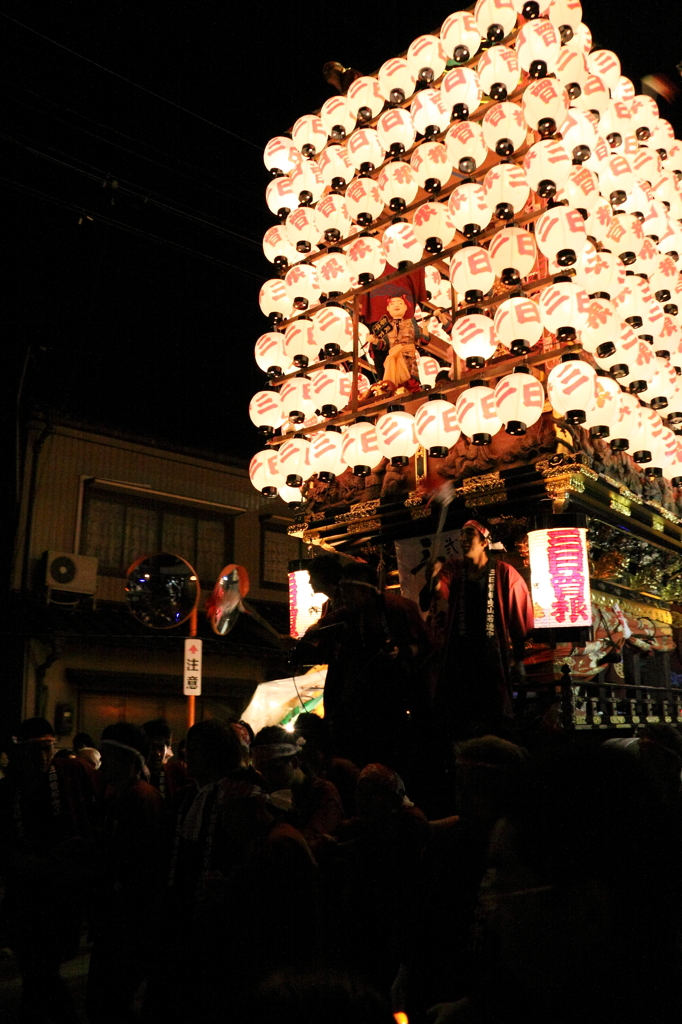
{"x": 474, "y": 312}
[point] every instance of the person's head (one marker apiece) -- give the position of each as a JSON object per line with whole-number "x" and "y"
{"x": 35, "y": 745}
{"x": 213, "y": 751}
{"x": 474, "y": 539}
{"x": 325, "y": 573}
{"x": 125, "y": 749}
{"x": 486, "y": 769}
{"x": 379, "y": 792}
{"x": 90, "y": 756}
{"x": 315, "y": 749}
{"x": 359, "y": 586}
{"x": 158, "y": 732}
{"x": 275, "y": 756}
{"x": 82, "y": 739}
{"x": 244, "y": 734}
{"x": 396, "y": 307}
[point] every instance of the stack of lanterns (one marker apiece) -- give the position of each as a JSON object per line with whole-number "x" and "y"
{"x": 503, "y": 153}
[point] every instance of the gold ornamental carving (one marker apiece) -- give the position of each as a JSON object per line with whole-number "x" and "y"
{"x": 486, "y": 489}
{"x": 635, "y": 608}
{"x": 358, "y": 511}
{"x": 365, "y": 525}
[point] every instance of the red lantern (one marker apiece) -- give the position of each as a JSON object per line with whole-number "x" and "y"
{"x": 436, "y": 426}
{"x": 519, "y": 400}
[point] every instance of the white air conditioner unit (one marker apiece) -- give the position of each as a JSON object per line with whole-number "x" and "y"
{"x": 74, "y": 573}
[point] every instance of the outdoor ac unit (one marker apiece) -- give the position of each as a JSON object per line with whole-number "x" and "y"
{"x": 74, "y": 573}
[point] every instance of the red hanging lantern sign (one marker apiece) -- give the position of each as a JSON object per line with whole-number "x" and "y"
{"x": 560, "y": 577}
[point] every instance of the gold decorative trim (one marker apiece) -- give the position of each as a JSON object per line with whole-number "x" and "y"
{"x": 419, "y": 513}
{"x": 369, "y": 524}
{"x": 358, "y": 511}
{"x": 413, "y": 500}
{"x": 298, "y": 530}
{"x": 620, "y": 506}
{"x": 645, "y": 611}
{"x": 493, "y": 498}
{"x": 315, "y": 517}
{"x": 481, "y": 483}
{"x": 658, "y": 526}
{"x": 670, "y": 516}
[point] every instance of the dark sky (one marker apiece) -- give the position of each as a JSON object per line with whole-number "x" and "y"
{"x": 139, "y": 302}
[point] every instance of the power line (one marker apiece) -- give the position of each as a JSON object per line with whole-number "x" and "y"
{"x": 136, "y": 85}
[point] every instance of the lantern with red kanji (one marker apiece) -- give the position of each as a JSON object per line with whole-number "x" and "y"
{"x": 293, "y": 461}
{"x": 663, "y": 385}
{"x": 426, "y": 58}
{"x": 498, "y": 72}
{"x": 495, "y": 19}
{"x": 572, "y": 388}
{"x": 436, "y": 426}
{"x": 579, "y": 135}
{"x": 326, "y": 388}
{"x": 476, "y": 413}
{"x": 333, "y": 273}
{"x": 547, "y": 167}
{"x": 300, "y": 346}
{"x": 397, "y": 186}
{"x": 538, "y": 47}
{"x": 396, "y": 131}
{"x": 332, "y": 330}
{"x": 337, "y": 118}
{"x": 280, "y": 197}
{"x": 429, "y": 113}
{"x": 601, "y": 274}
{"x": 396, "y": 436}
{"x": 364, "y": 150}
{"x": 580, "y": 190}
{"x": 518, "y": 325}
{"x": 302, "y": 285}
{"x": 433, "y": 226}
{"x": 269, "y": 353}
{"x": 512, "y": 254}
{"x": 332, "y": 217}
{"x": 571, "y": 71}
{"x": 564, "y": 308}
{"x": 461, "y": 92}
{"x": 560, "y": 234}
{"x": 473, "y": 339}
{"x": 302, "y": 230}
{"x": 606, "y": 410}
{"x": 599, "y": 220}
{"x": 264, "y": 472}
{"x": 469, "y": 210}
{"x": 364, "y": 98}
{"x": 428, "y": 368}
{"x": 335, "y": 167}
{"x": 360, "y": 450}
{"x": 465, "y": 146}
{"x": 277, "y": 248}
{"x": 632, "y": 362}
{"x": 431, "y": 166}
{"x": 307, "y": 182}
{"x": 265, "y": 412}
{"x": 367, "y": 258}
{"x": 594, "y": 95}
{"x": 506, "y": 189}
{"x": 519, "y": 400}
{"x": 326, "y": 454}
{"x": 274, "y": 300}
{"x": 401, "y": 245}
{"x": 460, "y": 36}
{"x": 364, "y": 201}
{"x": 560, "y": 572}
{"x": 625, "y": 237}
{"x": 396, "y": 80}
{"x": 504, "y": 129}
{"x": 297, "y": 400}
{"x": 309, "y": 135}
{"x": 471, "y": 272}
{"x": 545, "y": 105}
{"x": 281, "y": 156}
{"x": 601, "y": 329}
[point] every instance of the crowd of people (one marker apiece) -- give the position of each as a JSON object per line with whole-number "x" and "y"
{"x": 405, "y": 857}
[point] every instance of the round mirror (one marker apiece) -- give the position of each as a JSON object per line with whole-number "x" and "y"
{"x": 225, "y": 603}
{"x": 162, "y": 590}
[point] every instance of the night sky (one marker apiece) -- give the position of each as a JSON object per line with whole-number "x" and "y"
{"x": 137, "y": 302}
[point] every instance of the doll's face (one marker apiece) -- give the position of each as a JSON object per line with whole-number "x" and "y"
{"x": 396, "y": 307}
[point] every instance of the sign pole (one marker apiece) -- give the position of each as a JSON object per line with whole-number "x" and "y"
{"x": 192, "y": 669}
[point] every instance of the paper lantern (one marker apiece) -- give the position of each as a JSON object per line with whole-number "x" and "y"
{"x": 396, "y": 435}
{"x": 332, "y": 218}
{"x": 367, "y": 258}
{"x": 309, "y": 135}
{"x": 277, "y": 248}
{"x": 664, "y": 384}
{"x": 670, "y": 340}
{"x": 264, "y": 472}
{"x": 364, "y": 150}
{"x": 580, "y": 190}
{"x": 582, "y": 39}
{"x": 337, "y": 118}
{"x": 302, "y": 285}
{"x": 401, "y": 245}
{"x": 598, "y": 157}
{"x": 460, "y": 36}
{"x": 656, "y": 221}
{"x": 547, "y": 167}
{"x": 468, "y": 209}
{"x": 560, "y": 572}
{"x": 673, "y": 158}
{"x": 364, "y": 98}
{"x": 662, "y": 136}
{"x": 519, "y": 400}
{"x": 560, "y": 234}
{"x": 433, "y": 226}
{"x": 326, "y": 454}
{"x": 282, "y": 157}
{"x": 471, "y": 272}
{"x": 538, "y": 47}
{"x": 280, "y": 197}
{"x": 326, "y": 390}
{"x": 572, "y": 388}
{"x": 615, "y": 124}
{"x": 473, "y": 339}
{"x": 364, "y": 201}
{"x": 428, "y": 367}
{"x": 601, "y": 328}
{"x": 269, "y": 353}
{"x": 601, "y": 418}
{"x": 566, "y": 15}
{"x": 564, "y": 309}
{"x": 495, "y": 19}
{"x": 663, "y": 278}
{"x": 360, "y": 450}
{"x": 305, "y": 606}
{"x": 504, "y": 129}
{"x": 646, "y": 163}
{"x": 332, "y": 330}
{"x": 632, "y": 302}
{"x": 300, "y": 346}
{"x": 668, "y": 456}
{"x": 397, "y": 186}
{"x": 571, "y": 71}
{"x": 333, "y": 274}
{"x": 293, "y": 460}
{"x": 265, "y": 412}
{"x": 302, "y": 230}
{"x": 579, "y": 135}
{"x": 307, "y": 182}
{"x": 605, "y": 63}
{"x": 396, "y": 80}
{"x": 396, "y": 131}
{"x": 426, "y": 58}
{"x": 274, "y": 300}
{"x": 601, "y": 274}
{"x": 506, "y": 189}
{"x": 476, "y": 413}
{"x": 436, "y": 426}
{"x": 616, "y": 179}
{"x": 512, "y": 253}
{"x": 599, "y": 220}
{"x": 465, "y": 146}
{"x": 498, "y": 72}
{"x": 291, "y": 495}
{"x": 626, "y": 423}
{"x": 653, "y": 434}
{"x": 431, "y": 166}
{"x": 461, "y": 92}
{"x": 545, "y": 106}
{"x": 632, "y": 362}
{"x": 335, "y": 167}
{"x": 594, "y": 96}
{"x": 429, "y": 113}
{"x": 670, "y": 244}
{"x": 297, "y": 400}
{"x": 517, "y": 324}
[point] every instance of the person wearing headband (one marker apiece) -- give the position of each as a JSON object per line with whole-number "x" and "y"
{"x": 489, "y": 617}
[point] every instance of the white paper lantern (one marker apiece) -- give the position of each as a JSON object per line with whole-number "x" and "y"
{"x": 460, "y": 36}
{"x": 337, "y": 118}
{"x": 302, "y": 229}
{"x": 426, "y": 58}
{"x": 471, "y": 272}
{"x": 605, "y": 63}
{"x": 281, "y": 156}
{"x": 277, "y": 248}
{"x": 498, "y": 72}
{"x": 513, "y": 254}
{"x": 431, "y": 166}
{"x": 560, "y": 577}
{"x": 326, "y": 454}
{"x": 662, "y": 136}
{"x": 598, "y": 335}
{"x": 580, "y": 190}
{"x": 599, "y": 220}
{"x": 646, "y": 163}
{"x": 579, "y": 135}
{"x": 572, "y": 388}
{"x": 538, "y": 46}
{"x": 476, "y": 413}
{"x": 632, "y": 363}
{"x": 364, "y": 201}
{"x": 615, "y": 124}
{"x": 436, "y": 426}
{"x": 473, "y": 339}
{"x": 429, "y": 113}
{"x": 564, "y": 309}
{"x": 571, "y": 71}
{"x": 333, "y": 274}
{"x": 360, "y": 450}
{"x": 332, "y": 330}
{"x": 326, "y": 389}
{"x": 396, "y": 131}
{"x": 517, "y": 324}
{"x": 401, "y": 245}
{"x": 364, "y": 150}
{"x": 335, "y": 166}
{"x": 367, "y": 258}
{"x": 547, "y": 167}
{"x": 582, "y": 39}
{"x": 300, "y": 346}
{"x": 495, "y": 19}
{"x": 663, "y": 385}
{"x": 605, "y": 412}
{"x": 627, "y": 424}
{"x": 670, "y": 340}
{"x": 396, "y": 435}
{"x": 465, "y": 146}
{"x": 280, "y": 196}
{"x": 428, "y": 368}
{"x": 396, "y": 80}
{"x": 601, "y": 274}
{"x": 468, "y": 209}
{"x": 291, "y": 495}
{"x": 302, "y": 285}
{"x": 364, "y": 98}
{"x": 504, "y": 128}
{"x": 264, "y": 472}
{"x": 519, "y": 400}
{"x": 397, "y": 186}
{"x": 297, "y": 401}
{"x": 506, "y": 189}
{"x": 265, "y": 412}
{"x": 274, "y": 300}
{"x": 545, "y": 106}
{"x": 673, "y": 157}
{"x": 433, "y": 226}
{"x": 293, "y": 460}
{"x": 632, "y": 302}
{"x": 269, "y": 353}
{"x": 663, "y": 278}
{"x": 560, "y": 234}
{"x": 332, "y": 218}
{"x": 307, "y": 182}
{"x": 309, "y": 135}
{"x": 461, "y": 92}
{"x": 565, "y": 15}
{"x": 594, "y": 96}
